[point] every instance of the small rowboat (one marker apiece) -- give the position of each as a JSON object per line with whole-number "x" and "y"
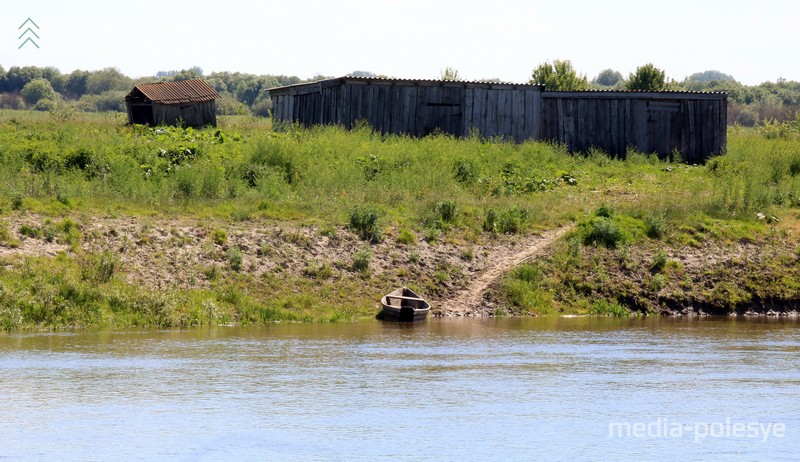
{"x": 404, "y": 305}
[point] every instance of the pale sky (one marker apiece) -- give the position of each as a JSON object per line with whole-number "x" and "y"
{"x": 505, "y": 39}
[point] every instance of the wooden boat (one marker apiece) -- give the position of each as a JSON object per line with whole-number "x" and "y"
{"x": 404, "y": 305}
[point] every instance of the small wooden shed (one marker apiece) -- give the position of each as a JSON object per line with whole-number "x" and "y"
{"x": 187, "y": 102}
{"x": 413, "y": 107}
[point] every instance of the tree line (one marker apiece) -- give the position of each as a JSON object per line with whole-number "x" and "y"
{"x": 46, "y": 88}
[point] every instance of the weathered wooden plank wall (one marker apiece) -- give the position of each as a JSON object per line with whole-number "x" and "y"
{"x": 660, "y": 122}
{"x": 663, "y": 122}
{"x": 191, "y": 114}
{"x": 416, "y": 108}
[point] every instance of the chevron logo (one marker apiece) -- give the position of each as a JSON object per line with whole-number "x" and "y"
{"x": 30, "y": 33}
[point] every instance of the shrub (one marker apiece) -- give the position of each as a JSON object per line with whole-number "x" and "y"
{"x": 605, "y": 308}
{"x": 659, "y": 261}
{"x": 508, "y": 221}
{"x": 16, "y": 201}
{"x": 219, "y": 236}
{"x": 99, "y": 268}
{"x": 361, "y": 260}
{"x": 654, "y": 225}
{"x": 406, "y": 237}
{"x": 602, "y": 231}
{"x": 235, "y": 258}
{"x": 364, "y": 221}
{"x": 446, "y": 211}
{"x": 464, "y": 172}
{"x": 606, "y": 211}
{"x": 30, "y": 231}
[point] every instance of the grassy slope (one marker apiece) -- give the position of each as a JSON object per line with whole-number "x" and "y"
{"x": 438, "y": 189}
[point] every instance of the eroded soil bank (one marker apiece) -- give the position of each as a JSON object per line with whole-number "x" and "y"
{"x": 461, "y": 277}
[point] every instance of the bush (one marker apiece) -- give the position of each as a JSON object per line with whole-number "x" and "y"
{"x": 406, "y": 237}
{"x": 654, "y": 225}
{"x": 219, "y": 236}
{"x": 361, "y": 260}
{"x": 602, "y": 231}
{"x": 464, "y": 172}
{"x": 235, "y": 258}
{"x": 446, "y": 211}
{"x": 99, "y": 268}
{"x": 606, "y": 211}
{"x": 659, "y": 261}
{"x": 605, "y": 308}
{"x": 507, "y": 221}
{"x": 364, "y": 221}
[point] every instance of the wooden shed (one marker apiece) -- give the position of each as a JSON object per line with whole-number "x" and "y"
{"x": 654, "y": 122}
{"x": 187, "y": 102}
{"x": 413, "y": 107}
{"x": 693, "y": 123}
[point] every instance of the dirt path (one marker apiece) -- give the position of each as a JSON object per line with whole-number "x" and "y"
{"x": 469, "y": 301}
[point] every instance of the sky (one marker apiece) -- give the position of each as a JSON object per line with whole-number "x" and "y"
{"x": 505, "y": 39}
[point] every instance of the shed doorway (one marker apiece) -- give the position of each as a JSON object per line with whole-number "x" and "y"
{"x": 142, "y": 114}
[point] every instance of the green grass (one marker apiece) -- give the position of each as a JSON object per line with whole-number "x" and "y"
{"x": 438, "y": 188}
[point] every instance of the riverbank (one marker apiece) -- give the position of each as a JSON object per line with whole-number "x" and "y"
{"x": 127, "y": 271}
{"x": 107, "y": 225}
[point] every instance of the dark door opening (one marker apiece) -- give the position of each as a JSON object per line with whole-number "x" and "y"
{"x": 142, "y": 114}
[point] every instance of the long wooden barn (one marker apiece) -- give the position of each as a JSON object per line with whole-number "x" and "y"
{"x": 413, "y": 107}
{"x": 189, "y": 102}
{"x": 693, "y": 123}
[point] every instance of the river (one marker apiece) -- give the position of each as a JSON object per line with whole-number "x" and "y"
{"x": 448, "y": 389}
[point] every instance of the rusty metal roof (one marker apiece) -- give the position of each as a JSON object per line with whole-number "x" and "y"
{"x": 349, "y": 78}
{"x": 184, "y": 91}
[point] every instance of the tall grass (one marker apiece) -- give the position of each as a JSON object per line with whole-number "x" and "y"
{"x": 323, "y": 174}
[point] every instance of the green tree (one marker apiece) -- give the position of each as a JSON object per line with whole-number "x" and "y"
{"x": 108, "y": 79}
{"x": 37, "y": 89}
{"x": 450, "y": 74}
{"x": 75, "y": 85}
{"x": 17, "y": 77}
{"x": 608, "y": 78}
{"x": 559, "y": 76}
{"x": 710, "y": 76}
{"x": 648, "y": 78}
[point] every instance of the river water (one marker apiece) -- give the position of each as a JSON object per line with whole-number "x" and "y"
{"x": 468, "y": 389}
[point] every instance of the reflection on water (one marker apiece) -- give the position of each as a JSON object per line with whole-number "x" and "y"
{"x": 447, "y": 389}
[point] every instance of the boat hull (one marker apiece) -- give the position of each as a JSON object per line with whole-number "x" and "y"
{"x": 404, "y": 305}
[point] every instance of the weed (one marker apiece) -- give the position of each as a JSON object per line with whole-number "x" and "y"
{"x": 659, "y": 262}
{"x": 30, "y": 231}
{"x": 654, "y": 225}
{"x": 361, "y": 260}
{"x": 606, "y": 211}
{"x": 99, "y": 268}
{"x": 603, "y": 231}
{"x": 219, "y": 237}
{"x": 603, "y": 307}
{"x": 406, "y": 237}
{"x": 446, "y": 211}
{"x": 17, "y": 201}
{"x": 328, "y": 231}
{"x": 364, "y": 221}
{"x": 235, "y": 258}
{"x": 508, "y": 221}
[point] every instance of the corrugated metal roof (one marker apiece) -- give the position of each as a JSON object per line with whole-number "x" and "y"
{"x": 184, "y": 91}
{"x": 689, "y": 92}
{"x": 405, "y": 81}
